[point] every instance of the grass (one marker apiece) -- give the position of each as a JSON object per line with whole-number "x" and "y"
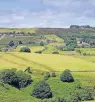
{"x": 46, "y": 62}
{"x": 87, "y": 50}
{"x": 36, "y": 61}
{"x": 58, "y": 88}
{"x": 26, "y": 30}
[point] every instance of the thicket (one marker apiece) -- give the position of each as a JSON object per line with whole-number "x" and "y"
{"x": 25, "y": 49}
{"x": 66, "y": 76}
{"x": 18, "y": 79}
{"x": 42, "y": 90}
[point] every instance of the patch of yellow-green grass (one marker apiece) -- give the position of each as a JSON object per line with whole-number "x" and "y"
{"x": 50, "y": 48}
{"x": 45, "y": 62}
{"x": 86, "y": 78}
{"x": 87, "y": 58}
{"x": 26, "y": 30}
{"x": 32, "y": 48}
{"x": 87, "y": 50}
{"x": 50, "y": 37}
{"x": 15, "y": 60}
{"x": 36, "y": 48}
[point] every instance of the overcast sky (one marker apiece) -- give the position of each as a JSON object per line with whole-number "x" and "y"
{"x": 46, "y": 13}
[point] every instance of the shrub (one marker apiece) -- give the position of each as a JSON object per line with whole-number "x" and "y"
{"x": 66, "y": 76}
{"x": 72, "y": 98}
{"x": 23, "y": 79}
{"x": 46, "y": 76}
{"x": 20, "y": 42}
{"x": 18, "y": 79}
{"x": 40, "y": 51}
{"x": 25, "y": 49}
{"x": 8, "y": 76}
{"x": 85, "y": 94}
{"x": 42, "y": 90}
{"x": 42, "y": 43}
{"x": 69, "y": 48}
{"x": 11, "y": 43}
{"x": 55, "y": 52}
{"x": 53, "y": 74}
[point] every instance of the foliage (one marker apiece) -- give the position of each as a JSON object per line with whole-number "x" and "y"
{"x": 46, "y": 76}
{"x": 20, "y": 42}
{"x": 85, "y": 94}
{"x": 68, "y": 48}
{"x": 11, "y": 43}
{"x": 72, "y": 98}
{"x": 42, "y": 43}
{"x": 66, "y": 76}
{"x": 55, "y": 52}
{"x": 18, "y": 79}
{"x": 42, "y": 90}
{"x": 25, "y": 49}
{"x": 53, "y": 74}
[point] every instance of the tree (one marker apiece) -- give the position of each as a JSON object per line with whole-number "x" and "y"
{"x": 11, "y": 43}
{"x": 23, "y": 79}
{"x": 85, "y": 94}
{"x": 53, "y": 74}
{"x": 55, "y": 52}
{"x": 18, "y": 79}
{"x": 72, "y": 98}
{"x": 25, "y": 49}
{"x": 42, "y": 90}
{"x": 66, "y": 76}
{"x": 20, "y": 42}
{"x": 46, "y": 76}
{"x": 42, "y": 43}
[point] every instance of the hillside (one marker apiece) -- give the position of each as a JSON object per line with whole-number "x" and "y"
{"x": 51, "y": 50}
{"x": 42, "y": 62}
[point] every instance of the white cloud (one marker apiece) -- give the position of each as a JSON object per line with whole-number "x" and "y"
{"x": 62, "y": 14}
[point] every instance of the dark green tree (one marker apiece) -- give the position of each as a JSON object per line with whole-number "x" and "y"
{"x": 66, "y": 76}
{"x": 46, "y": 76}
{"x": 42, "y": 43}
{"x": 18, "y": 79}
{"x": 53, "y": 74}
{"x": 25, "y": 49}
{"x": 42, "y": 90}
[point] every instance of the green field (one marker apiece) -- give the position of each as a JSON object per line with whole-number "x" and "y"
{"x": 55, "y": 62}
{"x": 26, "y": 30}
{"x": 82, "y": 67}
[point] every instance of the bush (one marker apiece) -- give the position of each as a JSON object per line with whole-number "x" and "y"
{"x": 11, "y": 43}
{"x": 66, "y": 76}
{"x": 40, "y": 51}
{"x": 41, "y": 43}
{"x": 23, "y": 79}
{"x": 72, "y": 98}
{"x": 25, "y": 49}
{"x": 53, "y": 74}
{"x": 18, "y": 79}
{"x": 20, "y": 42}
{"x": 85, "y": 94}
{"x": 46, "y": 76}
{"x": 42, "y": 90}
{"x": 55, "y": 52}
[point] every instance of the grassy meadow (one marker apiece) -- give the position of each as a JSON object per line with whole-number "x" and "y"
{"x": 26, "y": 30}
{"x": 55, "y": 62}
{"x": 82, "y": 67}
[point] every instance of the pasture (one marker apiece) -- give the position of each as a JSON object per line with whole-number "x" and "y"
{"x": 82, "y": 67}
{"x": 55, "y": 62}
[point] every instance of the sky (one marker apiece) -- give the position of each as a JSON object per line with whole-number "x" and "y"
{"x": 46, "y": 13}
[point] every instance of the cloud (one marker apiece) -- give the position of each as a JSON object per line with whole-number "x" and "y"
{"x": 49, "y": 13}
